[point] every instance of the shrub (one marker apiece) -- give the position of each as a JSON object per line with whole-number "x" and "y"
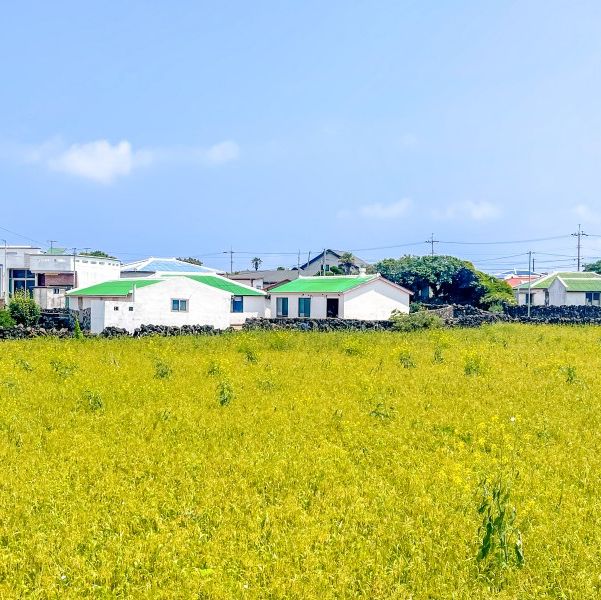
{"x": 422, "y": 319}
{"x": 162, "y": 370}
{"x": 77, "y": 332}
{"x": 225, "y": 393}
{"x": 24, "y": 309}
{"x": 6, "y": 320}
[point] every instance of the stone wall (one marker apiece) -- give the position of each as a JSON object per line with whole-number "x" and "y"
{"x": 555, "y": 314}
{"x": 316, "y": 324}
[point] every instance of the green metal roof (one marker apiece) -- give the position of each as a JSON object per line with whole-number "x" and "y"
{"x": 117, "y": 287}
{"x": 573, "y": 282}
{"x": 322, "y": 285}
{"x": 583, "y": 285}
{"x": 545, "y": 282}
{"x": 226, "y": 285}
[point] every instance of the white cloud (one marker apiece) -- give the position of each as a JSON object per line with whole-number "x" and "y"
{"x": 475, "y": 211}
{"x": 378, "y": 210}
{"x": 586, "y": 214}
{"x": 223, "y": 152}
{"x": 103, "y": 162}
{"x": 98, "y": 161}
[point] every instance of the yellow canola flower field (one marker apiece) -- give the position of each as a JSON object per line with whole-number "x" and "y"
{"x": 302, "y": 465}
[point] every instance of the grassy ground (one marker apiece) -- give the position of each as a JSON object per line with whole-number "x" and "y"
{"x": 273, "y": 465}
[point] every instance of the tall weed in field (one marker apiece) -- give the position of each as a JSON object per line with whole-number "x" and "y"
{"x": 501, "y": 542}
{"x": 225, "y": 392}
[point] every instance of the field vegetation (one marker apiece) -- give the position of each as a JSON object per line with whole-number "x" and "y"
{"x": 427, "y": 464}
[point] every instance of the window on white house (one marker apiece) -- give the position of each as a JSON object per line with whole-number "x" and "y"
{"x": 304, "y": 307}
{"x": 56, "y": 290}
{"x": 281, "y": 307}
{"x": 115, "y": 308}
{"x": 593, "y": 298}
{"x": 237, "y": 304}
{"x": 131, "y": 309}
{"x": 528, "y": 298}
{"x": 179, "y": 305}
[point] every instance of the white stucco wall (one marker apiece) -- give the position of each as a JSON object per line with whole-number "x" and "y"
{"x": 318, "y": 304}
{"x": 557, "y": 294}
{"x": 254, "y": 306}
{"x": 375, "y": 301}
{"x": 538, "y": 297}
{"x": 575, "y": 298}
{"x": 91, "y": 270}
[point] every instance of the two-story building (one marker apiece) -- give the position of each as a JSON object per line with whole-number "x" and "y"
{"x": 48, "y": 275}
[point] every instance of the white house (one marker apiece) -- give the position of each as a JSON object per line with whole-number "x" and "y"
{"x": 176, "y": 300}
{"x": 327, "y": 259}
{"x": 369, "y": 297}
{"x": 562, "y": 288}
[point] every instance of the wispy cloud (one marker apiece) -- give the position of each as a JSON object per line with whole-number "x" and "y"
{"x": 586, "y": 214}
{"x": 378, "y": 210}
{"x": 103, "y": 162}
{"x": 475, "y": 211}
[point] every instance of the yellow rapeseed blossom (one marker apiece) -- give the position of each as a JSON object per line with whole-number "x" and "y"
{"x": 299, "y": 465}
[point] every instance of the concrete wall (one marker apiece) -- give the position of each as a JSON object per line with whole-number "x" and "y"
{"x": 375, "y": 301}
{"x": 46, "y": 297}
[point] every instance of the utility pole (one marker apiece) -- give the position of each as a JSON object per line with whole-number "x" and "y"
{"x": 579, "y": 235}
{"x": 74, "y": 269}
{"x": 231, "y": 253}
{"x": 298, "y": 261}
{"x": 323, "y": 262}
{"x": 529, "y": 281}
{"x": 4, "y": 276}
{"x": 51, "y": 242}
{"x": 432, "y": 241}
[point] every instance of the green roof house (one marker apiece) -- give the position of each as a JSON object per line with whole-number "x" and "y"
{"x": 562, "y": 288}
{"x": 369, "y": 297}
{"x": 169, "y": 300}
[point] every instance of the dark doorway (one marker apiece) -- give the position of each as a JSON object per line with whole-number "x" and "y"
{"x": 332, "y": 308}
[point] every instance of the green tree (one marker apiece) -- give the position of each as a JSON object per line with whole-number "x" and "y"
{"x": 595, "y": 267}
{"x": 445, "y": 279}
{"x": 494, "y": 292}
{"x": 98, "y": 253}
{"x": 24, "y": 309}
{"x": 191, "y": 260}
{"x": 256, "y": 262}
{"x": 347, "y": 262}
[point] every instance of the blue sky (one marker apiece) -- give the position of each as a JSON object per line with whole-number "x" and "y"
{"x": 173, "y": 128}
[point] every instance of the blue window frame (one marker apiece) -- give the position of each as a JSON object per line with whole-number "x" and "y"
{"x": 304, "y": 307}
{"x": 281, "y": 307}
{"x": 237, "y": 304}
{"x": 21, "y": 279}
{"x": 179, "y": 305}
